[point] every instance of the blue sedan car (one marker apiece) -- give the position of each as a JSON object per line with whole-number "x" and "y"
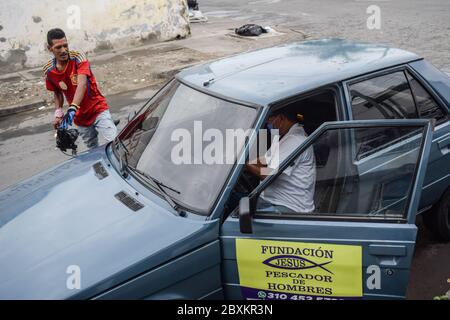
{"x": 127, "y": 221}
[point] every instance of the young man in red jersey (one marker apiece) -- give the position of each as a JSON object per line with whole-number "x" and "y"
{"x": 69, "y": 75}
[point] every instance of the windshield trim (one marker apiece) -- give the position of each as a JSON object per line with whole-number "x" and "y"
{"x": 235, "y": 165}
{"x": 151, "y": 98}
{"x": 218, "y": 95}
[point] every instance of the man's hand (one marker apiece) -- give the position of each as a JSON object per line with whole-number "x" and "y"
{"x": 59, "y": 115}
{"x": 255, "y": 169}
{"x": 57, "y": 122}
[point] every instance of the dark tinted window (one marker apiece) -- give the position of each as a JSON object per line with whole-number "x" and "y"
{"x": 384, "y": 97}
{"x": 427, "y": 106}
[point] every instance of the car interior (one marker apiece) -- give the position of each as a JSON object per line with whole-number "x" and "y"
{"x": 340, "y": 186}
{"x": 315, "y": 109}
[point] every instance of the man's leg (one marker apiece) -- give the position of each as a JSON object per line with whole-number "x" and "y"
{"x": 105, "y": 126}
{"x": 265, "y": 206}
{"x": 89, "y": 135}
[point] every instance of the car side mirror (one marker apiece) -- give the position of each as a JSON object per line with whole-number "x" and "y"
{"x": 245, "y": 215}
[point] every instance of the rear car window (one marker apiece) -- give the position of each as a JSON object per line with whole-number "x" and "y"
{"x": 426, "y": 105}
{"x": 384, "y": 97}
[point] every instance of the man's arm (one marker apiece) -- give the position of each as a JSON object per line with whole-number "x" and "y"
{"x": 81, "y": 89}
{"x": 255, "y": 168}
{"x": 59, "y": 101}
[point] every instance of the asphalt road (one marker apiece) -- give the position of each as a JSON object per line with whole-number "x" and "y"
{"x": 27, "y": 141}
{"x": 420, "y": 26}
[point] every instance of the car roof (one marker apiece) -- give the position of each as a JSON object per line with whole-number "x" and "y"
{"x": 268, "y": 75}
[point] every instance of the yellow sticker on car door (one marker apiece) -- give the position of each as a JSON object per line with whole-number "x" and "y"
{"x": 298, "y": 271}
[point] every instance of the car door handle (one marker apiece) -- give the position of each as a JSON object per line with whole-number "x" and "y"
{"x": 387, "y": 255}
{"x": 444, "y": 145}
{"x": 387, "y": 250}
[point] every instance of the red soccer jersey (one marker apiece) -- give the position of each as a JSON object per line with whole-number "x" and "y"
{"x": 93, "y": 102}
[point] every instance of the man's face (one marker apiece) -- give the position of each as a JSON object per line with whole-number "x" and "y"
{"x": 60, "y": 49}
{"x": 275, "y": 121}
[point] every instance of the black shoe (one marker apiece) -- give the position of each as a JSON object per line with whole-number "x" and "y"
{"x": 116, "y": 122}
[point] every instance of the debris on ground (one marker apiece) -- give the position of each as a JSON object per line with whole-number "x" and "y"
{"x": 258, "y": 33}
{"x": 250, "y": 30}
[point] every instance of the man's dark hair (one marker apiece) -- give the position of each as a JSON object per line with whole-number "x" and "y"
{"x": 54, "y": 34}
{"x": 289, "y": 112}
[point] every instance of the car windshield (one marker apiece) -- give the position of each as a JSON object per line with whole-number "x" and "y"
{"x": 169, "y": 139}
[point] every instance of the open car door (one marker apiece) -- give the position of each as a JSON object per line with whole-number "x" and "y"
{"x": 359, "y": 241}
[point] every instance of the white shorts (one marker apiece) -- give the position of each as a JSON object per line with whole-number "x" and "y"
{"x": 104, "y": 125}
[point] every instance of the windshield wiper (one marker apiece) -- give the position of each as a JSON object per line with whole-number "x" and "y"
{"x": 161, "y": 187}
{"x": 156, "y": 181}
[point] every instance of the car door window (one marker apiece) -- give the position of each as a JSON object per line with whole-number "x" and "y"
{"x": 356, "y": 181}
{"x": 384, "y": 97}
{"x": 426, "y": 105}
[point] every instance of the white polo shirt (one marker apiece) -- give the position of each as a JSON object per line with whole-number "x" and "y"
{"x": 294, "y": 187}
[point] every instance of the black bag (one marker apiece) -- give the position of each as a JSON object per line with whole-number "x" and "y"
{"x": 250, "y": 30}
{"x": 65, "y": 139}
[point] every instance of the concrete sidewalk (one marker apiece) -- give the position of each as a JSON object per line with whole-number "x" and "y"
{"x": 144, "y": 66}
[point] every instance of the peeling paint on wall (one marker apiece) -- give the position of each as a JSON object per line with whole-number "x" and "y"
{"x": 15, "y": 59}
{"x": 90, "y": 26}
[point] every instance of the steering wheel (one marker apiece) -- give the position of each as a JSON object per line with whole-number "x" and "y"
{"x": 245, "y": 181}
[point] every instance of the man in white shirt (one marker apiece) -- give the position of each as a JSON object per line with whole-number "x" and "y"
{"x": 294, "y": 187}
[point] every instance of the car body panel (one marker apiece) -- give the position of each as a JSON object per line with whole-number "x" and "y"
{"x": 437, "y": 178}
{"x": 387, "y": 246}
{"x": 56, "y": 222}
{"x": 439, "y": 81}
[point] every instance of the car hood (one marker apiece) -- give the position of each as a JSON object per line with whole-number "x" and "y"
{"x": 66, "y": 225}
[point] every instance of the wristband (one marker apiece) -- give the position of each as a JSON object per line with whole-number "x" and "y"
{"x": 73, "y": 107}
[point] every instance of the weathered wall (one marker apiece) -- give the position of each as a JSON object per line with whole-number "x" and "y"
{"x": 90, "y": 25}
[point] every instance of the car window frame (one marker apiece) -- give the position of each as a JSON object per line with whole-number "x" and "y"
{"x": 336, "y": 88}
{"x": 404, "y": 219}
{"x": 348, "y": 83}
{"x": 404, "y": 67}
{"x": 424, "y": 84}
{"x": 340, "y": 110}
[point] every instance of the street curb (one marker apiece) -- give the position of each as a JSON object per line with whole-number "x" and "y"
{"x": 6, "y": 111}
